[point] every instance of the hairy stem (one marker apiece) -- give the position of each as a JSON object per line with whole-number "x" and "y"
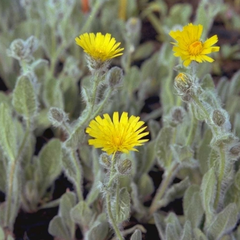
{"x": 162, "y": 188}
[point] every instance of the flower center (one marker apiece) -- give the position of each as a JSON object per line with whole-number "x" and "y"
{"x": 195, "y": 48}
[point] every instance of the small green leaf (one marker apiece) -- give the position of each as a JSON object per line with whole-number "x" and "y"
{"x": 145, "y": 186}
{"x": 143, "y": 51}
{"x": 137, "y": 235}
{"x": 7, "y": 133}
{"x": 203, "y": 151}
{"x": 82, "y": 214}
{"x": 198, "y": 234}
{"x": 99, "y": 231}
{"x": 58, "y": 229}
{"x": 160, "y": 224}
{"x": 24, "y": 97}
{"x": 187, "y": 231}
{"x": 121, "y": 208}
{"x": 194, "y": 212}
{"x": 72, "y": 169}
{"x": 175, "y": 191}
{"x": 162, "y": 147}
{"x": 224, "y": 222}
{"x": 207, "y": 82}
{"x": 208, "y": 192}
{"x": 171, "y": 233}
{"x": 175, "y": 224}
{"x": 50, "y": 159}
{"x": 67, "y": 202}
{"x": 53, "y": 96}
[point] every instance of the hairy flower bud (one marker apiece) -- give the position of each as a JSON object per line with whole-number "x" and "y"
{"x": 114, "y": 77}
{"x": 57, "y": 116}
{"x": 176, "y": 116}
{"x": 220, "y": 118}
{"x": 235, "y": 150}
{"x": 23, "y": 50}
{"x": 124, "y": 167}
{"x": 183, "y": 82}
{"x": 105, "y": 160}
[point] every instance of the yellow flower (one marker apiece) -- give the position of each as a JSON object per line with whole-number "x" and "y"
{"x": 190, "y": 48}
{"x": 100, "y": 47}
{"x": 117, "y": 135}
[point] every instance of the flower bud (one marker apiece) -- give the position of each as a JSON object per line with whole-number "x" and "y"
{"x": 220, "y": 118}
{"x": 182, "y": 82}
{"x": 114, "y": 77}
{"x": 177, "y": 115}
{"x": 133, "y": 28}
{"x": 105, "y": 160}
{"x": 23, "y": 50}
{"x": 235, "y": 150}
{"x": 57, "y": 116}
{"x": 124, "y": 167}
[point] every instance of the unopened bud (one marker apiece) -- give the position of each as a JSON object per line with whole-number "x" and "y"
{"x": 105, "y": 160}
{"x": 57, "y": 116}
{"x": 124, "y": 167}
{"x": 114, "y": 77}
{"x": 23, "y": 50}
{"x": 177, "y": 114}
{"x": 182, "y": 83}
{"x": 133, "y": 25}
{"x": 235, "y": 150}
{"x": 220, "y": 118}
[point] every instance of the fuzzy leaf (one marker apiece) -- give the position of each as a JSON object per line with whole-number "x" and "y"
{"x": 145, "y": 186}
{"x": 143, "y": 51}
{"x": 162, "y": 146}
{"x": 207, "y": 82}
{"x": 53, "y": 96}
{"x": 224, "y": 222}
{"x": 82, "y": 214}
{"x": 171, "y": 232}
{"x": 50, "y": 159}
{"x": 58, "y": 229}
{"x": 204, "y": 151}
{"x": 175, "y": 224}
{"x": 208, "y": 192}
{"x": 159, "y": 221}
{"x": 99, "y": 231}
{"x": 194, "y": 212}
{"x": 121, "y": 209}
{"x": 24, "y": 98}
{"x": 199, "y": 235}
{"x": 137, "y": 235}
{"x": 187, "y": 231}
{"x": 137, "y": 204}
{"x": 7, "y": 133}
{"x": 72, "y": 168}
{"x": 175, "y": 191}
{"x": 67, "y": 202}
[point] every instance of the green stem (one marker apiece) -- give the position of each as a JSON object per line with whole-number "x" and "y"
{"x": 78, "y": 183}
{"x": 112, "y": 220}
{"x": 108, "y": 199}
{"x": 206, "y": 113}
{"x": 222, "y": 163}
{"x": 162, "y": 188}
{"x": 193, "y": 128}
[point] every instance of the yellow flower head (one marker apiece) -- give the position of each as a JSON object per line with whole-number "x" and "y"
{"x": 190, "y": 48}
{"x": 117, "y": 135}
{"x": 100, "y": 47}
